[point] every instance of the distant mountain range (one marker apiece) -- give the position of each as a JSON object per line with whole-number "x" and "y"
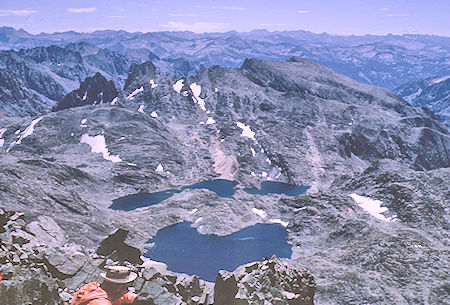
{"x": 386, "y": 61}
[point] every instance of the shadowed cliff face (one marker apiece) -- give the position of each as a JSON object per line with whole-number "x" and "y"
{"x": 292, "y": 121}
{"x": 93, "y": 90}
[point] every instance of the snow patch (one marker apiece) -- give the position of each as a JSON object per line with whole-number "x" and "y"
{"x": 133, "y": 94}
{"x": 373, "y": 207}
{"x": 440, "y": 80}
{"x": 29, "y": 130}
{"x": 283, "y": 223}
{"x": 153, "y": 84}
{"x": 289, "y": 295}
{"x": 2, "y": 132}
{"x": 411, "y": 97}
{"x": 159, "y": 168}
{"x": 141, "y": 109}
{"x": 259, "y": 212}
{"x": 154, "y": 114}
{"x": 178, "y": 85}
{"x": 196, "y": 91}
{"x": 210, "y": 121}
{"x": 246, "y": 130}
{"x": 98, "y": 145}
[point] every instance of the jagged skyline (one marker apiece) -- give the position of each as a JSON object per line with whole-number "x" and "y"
{"x": 349, "y": 17}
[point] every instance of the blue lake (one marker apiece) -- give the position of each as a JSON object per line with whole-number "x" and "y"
{"x": 223, "y": 188}
{"x": 140, "y": 200}
{"x": 185, "y": 250}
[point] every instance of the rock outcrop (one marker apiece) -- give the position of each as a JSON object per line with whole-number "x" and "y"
{"x": 271, "y": 281}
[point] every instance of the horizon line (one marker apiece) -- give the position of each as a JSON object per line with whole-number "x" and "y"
{"x": 218, "y": 32}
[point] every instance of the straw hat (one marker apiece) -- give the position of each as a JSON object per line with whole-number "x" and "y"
{"x": 118, "y": 274}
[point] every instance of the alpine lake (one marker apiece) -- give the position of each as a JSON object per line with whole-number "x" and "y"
{"x": 185, "y": 250}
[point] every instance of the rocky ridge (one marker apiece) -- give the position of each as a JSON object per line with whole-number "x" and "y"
{"x": 268, "y": 282}
{"x": 433, "y": 93}
{"x": 92, "y": 90}
{"x": 33, "y": 80}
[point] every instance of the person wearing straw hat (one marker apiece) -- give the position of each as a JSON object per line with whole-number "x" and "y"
{"x": 112, "y": 291}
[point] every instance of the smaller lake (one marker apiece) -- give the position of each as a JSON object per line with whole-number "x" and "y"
{"x": 140, "y": 200}
{"x": 223, "y": 188}
{"x": 185, "y": 250}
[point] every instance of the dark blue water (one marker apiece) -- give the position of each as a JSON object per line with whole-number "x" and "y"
{"x": 185, "y": 250}
{"x": 274, "y": 187}
{"x": 131, "y": 202}
{"x": 223, "y": 188}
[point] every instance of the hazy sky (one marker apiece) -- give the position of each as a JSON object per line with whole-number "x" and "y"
{"x": 331, "y": 16}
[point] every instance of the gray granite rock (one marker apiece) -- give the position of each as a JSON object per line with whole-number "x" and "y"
{"x": 268, "y": 282}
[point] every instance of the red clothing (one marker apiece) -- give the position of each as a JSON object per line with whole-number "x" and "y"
{"x": 93, "y": 294}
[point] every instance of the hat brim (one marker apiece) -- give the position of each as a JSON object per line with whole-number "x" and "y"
{"x": 126, "y": 280}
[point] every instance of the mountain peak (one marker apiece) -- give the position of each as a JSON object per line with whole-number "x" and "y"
{"x": 83, "y": 48}
{"x": 137, "y": 72}
{"x": 93, "y": 90}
